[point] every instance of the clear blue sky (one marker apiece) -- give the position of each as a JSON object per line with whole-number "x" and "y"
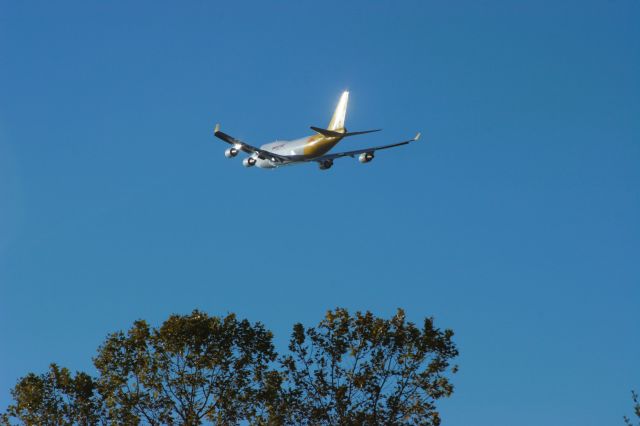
{"x": 516, "y": 222}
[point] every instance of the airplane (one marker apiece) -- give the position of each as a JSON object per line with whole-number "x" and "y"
{"x": 309, "y": 149}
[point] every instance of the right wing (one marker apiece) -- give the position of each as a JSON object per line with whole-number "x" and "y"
{"x": 249, "y": 149}
{"x": 364, "y": 150}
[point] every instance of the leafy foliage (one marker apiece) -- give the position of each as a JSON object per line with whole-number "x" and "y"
{"x": 197, "y": 369}
{"x": 636, "y": 409}
{"x": 366, "y": 370}
{"x": 55, "y": 398}
{"x": 192, "y": 368}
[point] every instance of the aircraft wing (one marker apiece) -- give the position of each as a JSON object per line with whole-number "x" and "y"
{"x": 249, "y": 149}
{"x": 364, "y": 150}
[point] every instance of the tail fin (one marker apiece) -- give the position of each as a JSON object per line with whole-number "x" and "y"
{"x": 337, "y": 121}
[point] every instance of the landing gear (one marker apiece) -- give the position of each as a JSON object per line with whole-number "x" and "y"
{"x": 326, "y": 164}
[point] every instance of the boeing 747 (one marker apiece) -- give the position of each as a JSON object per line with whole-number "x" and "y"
{"x": 309, "y": 149}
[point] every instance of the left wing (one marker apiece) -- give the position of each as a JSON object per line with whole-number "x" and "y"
{"x": 364, "y": 150}
{"x": 249, "y": 149}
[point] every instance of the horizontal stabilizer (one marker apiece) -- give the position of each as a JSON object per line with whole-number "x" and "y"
{"x": 334, "y": 134}
{"x": 362, "y": 132}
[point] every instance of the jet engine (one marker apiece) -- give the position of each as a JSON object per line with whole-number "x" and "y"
{"x": 230, "y": 152}
{"x": 249, "y": 162}
{"x": 326, "y": 164}
{"x": 365, "y": 157}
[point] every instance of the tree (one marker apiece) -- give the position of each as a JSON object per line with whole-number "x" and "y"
{"x": 197, "y": 369}
{"x": 55, "y": 398}
{"x": 636, "y": 409}
{"x": 193, "y": 368}
{"x": 366, "y": 370}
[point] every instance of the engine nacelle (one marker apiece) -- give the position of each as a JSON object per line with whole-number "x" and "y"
{"x": 365, "y": 157}
{"x": 326, "y": 164}
{"x": 230, "y": 152}
{"x": 249, "y": 162}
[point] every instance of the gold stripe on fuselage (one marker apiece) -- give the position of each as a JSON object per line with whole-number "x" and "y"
{"x": 318, "y": 145}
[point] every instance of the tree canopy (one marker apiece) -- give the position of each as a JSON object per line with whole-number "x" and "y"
{"x": 366, "y": 370}
{"x": 636, "y": 409}
{"x": 192, "y": 368}
{"x": 200, "y": 369}
{"x": 55, "y": 397}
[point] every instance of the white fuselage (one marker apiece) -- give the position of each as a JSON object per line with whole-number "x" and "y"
{"x": 302, "y": 150}
{"x": 312, "y": 148}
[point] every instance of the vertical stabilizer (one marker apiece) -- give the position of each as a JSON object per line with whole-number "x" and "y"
{"x": 337, "y": 121}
